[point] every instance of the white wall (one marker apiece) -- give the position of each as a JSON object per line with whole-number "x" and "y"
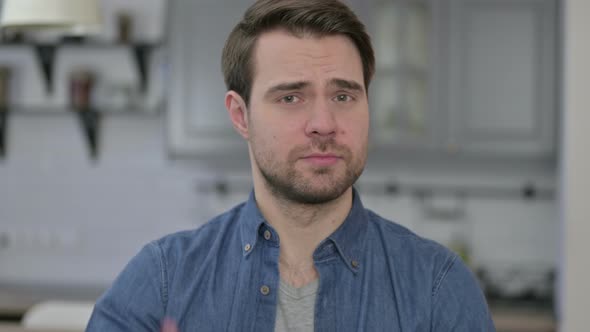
{"x": 69, "y": 219}
{"x": 63, "y": 217}
{"x": 574, "y": 170}
{"x": 74, "y": 221}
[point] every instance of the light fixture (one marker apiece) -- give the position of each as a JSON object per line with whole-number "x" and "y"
{"x": 72, "y": 16}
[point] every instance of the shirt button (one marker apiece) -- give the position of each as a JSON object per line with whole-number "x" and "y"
{"x": 267, "y": 234}
{"x": 247, "y": 247}
{"x": 354, "y": 264}
{"x": 264, "y": 290}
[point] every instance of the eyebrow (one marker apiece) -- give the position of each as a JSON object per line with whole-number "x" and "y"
{"x": 335, "y": 82}
{"x": 345, "y": 84}
{"x": 287, "y": 87}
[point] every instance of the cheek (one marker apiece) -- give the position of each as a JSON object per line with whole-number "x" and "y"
{"x": 269, "y": 139}
{"x": 357, "y": 139}
{"x": 355, "y": 129}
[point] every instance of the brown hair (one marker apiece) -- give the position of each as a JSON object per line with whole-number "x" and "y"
{"x": 317, "y": 17}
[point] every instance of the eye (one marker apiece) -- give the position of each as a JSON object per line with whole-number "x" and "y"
{"x": 290, "y": 99}
{"x": 343, "y": 98}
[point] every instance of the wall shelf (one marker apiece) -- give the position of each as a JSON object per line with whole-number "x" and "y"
{"x": 3, "y": 126}
{"x": 67, "y": 110}
{"x": 46, "y": 54}
{"x": 90, "y": 120}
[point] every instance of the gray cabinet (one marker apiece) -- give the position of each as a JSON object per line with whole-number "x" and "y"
{"x": 198, "y": 124}
{"x": 502, "y": 82}
{"x": 475, "y": 77}
{"x": 403, "y": 90}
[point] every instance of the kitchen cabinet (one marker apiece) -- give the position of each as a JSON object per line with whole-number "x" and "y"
{"x": 198, "y": 122}
{"x": 469, "y": 77}
{"x": 402, "y": 92}
{"x": 476, "y": 77}
{"x": 502, "y": 82}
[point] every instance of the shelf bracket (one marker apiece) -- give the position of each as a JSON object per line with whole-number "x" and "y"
{"x": 46, "y": 58}
{"x": 141, "y": 52}
{"x": 3, "y": 129}
{"x": 90, "y": 122}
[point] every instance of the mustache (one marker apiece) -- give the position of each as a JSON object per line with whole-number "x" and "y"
{"x": 320, "y": 145}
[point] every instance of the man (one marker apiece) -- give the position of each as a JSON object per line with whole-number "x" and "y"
{"x": 302, "y": 254}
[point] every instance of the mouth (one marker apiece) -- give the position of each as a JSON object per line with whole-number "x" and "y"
{"x": 321, "y": 159}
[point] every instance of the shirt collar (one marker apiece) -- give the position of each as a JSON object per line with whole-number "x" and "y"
{"x": 250, "y": 221}
{"x": 348, "y": 239}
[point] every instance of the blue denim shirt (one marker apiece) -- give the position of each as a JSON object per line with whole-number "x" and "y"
{"x": 375, "y": 275}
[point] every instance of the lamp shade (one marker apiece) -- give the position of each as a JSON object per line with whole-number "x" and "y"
{"x": 61, "y": 14}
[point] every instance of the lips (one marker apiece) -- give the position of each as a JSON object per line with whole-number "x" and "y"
{"x": 318, "y": 159}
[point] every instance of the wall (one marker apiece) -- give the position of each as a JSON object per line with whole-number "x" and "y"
{"x": 74, "y": 220}
{"x": 574, "y": 169}
{"x": 71, "y": 220}
{"x": 64, "y": 217}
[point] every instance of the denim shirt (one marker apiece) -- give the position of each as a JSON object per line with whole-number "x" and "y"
{"x": 374, "y": 275}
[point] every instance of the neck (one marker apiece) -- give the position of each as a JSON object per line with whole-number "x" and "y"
{"x": 301, "y": 228}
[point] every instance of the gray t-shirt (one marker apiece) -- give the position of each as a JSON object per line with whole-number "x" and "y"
{"x": 296, "y": 307}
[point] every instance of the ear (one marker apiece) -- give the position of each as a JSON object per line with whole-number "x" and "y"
{"x": 236, "y": 107}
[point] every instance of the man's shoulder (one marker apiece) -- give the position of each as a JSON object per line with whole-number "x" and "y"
{"x": 391, "y": 227}
{"x": 210, "y": 235}
{"x": 403, "y": 244}
{"x": 440, "y": 282}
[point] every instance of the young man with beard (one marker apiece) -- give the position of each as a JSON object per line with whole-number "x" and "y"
{"x": 302, "y": 254}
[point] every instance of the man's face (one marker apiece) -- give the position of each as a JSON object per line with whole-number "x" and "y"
{"x": 308, "y": 118}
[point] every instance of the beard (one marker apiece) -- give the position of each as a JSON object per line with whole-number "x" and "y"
{"x": 323, "y": 185}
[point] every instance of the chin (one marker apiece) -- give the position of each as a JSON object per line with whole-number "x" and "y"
{"x": 314, "y": 198}
{"x": 318, "y": 195}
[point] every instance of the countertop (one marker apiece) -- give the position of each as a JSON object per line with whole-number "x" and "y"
{"x": 16, "y": 299}
{"x": 505, "y": 321}
{"x": 15, "y": 327}
{"x": 523, "y": 319}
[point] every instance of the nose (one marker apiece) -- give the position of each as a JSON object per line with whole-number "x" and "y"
{"x": 322, "y": 121}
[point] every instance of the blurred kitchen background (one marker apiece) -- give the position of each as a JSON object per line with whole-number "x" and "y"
{"x": 114, "y": 139}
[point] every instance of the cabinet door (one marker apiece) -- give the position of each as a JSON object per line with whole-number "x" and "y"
{"x": 502, "y": 76}
{"x": 402, "y": 90}
{"x": 197, "y": 120}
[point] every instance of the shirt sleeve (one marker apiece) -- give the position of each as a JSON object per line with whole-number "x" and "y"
{"x": 136, "y": 301}
{"x": 458, "y": 302}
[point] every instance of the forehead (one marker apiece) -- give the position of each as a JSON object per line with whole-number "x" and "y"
{"x": 281, "y": 56}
